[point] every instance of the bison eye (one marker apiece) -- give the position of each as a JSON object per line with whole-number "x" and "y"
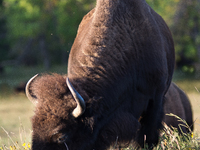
{"x": 59, "y": 138}
{"x": 62, "y": 139}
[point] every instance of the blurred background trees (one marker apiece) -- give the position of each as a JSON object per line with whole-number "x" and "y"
{"x": 186, "y": 30}
{"x": 41, "y": 32}
{"x": 4, "y": 45}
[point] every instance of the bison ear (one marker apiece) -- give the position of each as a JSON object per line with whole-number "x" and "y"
{"x": 29, "y": 93}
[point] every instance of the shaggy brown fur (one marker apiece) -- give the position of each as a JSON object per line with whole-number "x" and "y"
{"x": 53, "y": 109}
{"x": 121, "y": 63}
{"x": 178, "y": 104}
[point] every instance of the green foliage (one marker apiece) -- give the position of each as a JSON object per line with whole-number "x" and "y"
{"x": 22, "y": 19}
{"x": 56, "y": 22}
{"x": 4, "y": 47}
{"x": 165, "y": 8}
{"x": 69, "y": 15}
{"x": 186, "y": 30}
{"x": 183, "y": 18}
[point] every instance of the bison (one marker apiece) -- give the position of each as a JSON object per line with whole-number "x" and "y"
{"x": 119, "y": 69}
{"x": 177, "y": 103}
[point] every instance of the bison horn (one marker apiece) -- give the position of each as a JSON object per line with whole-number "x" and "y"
{"x": 80, "y": 108}
{"x": 32, "y": 98}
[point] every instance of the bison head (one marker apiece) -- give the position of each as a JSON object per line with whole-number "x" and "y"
{"x": 58, "y": 105}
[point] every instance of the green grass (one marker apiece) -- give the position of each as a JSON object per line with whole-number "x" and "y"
{"x": 16, "y": 110}
{"x": 191, "y": 86}
{"x": 15, "y": 115}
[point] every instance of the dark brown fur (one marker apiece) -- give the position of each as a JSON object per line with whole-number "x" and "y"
{"x": 121, "y": 63}
{"x": 177, "y": 103}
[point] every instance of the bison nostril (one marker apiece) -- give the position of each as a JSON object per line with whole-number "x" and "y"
{"x": 62, "y": 139}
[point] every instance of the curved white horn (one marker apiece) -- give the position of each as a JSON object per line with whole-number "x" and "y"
{"x": 80, "y": 108}
{"x": 31, "y": 97}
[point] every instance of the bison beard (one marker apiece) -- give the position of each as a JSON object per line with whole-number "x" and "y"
{"x": 119, "y": 69}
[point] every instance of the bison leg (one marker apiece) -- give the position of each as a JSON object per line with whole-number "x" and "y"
{"x": 120, "y": 130}
{"x": 151, "y": 124}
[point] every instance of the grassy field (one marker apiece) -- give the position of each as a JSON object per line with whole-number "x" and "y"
{"x": 16, "y": 110}
{"x": 191, "y": 86}
{"x": 15, "y": 114}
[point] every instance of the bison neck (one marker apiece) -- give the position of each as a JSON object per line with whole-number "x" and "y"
{"x": 106, "y": 9}
{"x": 105, "y": 35}
{"x": 104, "y": 12}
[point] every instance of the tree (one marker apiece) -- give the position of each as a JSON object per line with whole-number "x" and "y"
{"x": 69, "y": 16}
{"x": 4, "y": 46}
{"x": 43, "y": 31}
{"x": 186, "y": 31}
{"x": 165, "y": 8}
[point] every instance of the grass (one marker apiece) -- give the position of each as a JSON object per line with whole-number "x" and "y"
{"x": 16, "y": 110}
{"x": 15, "y": 114}
{"x": 191, "y": 86}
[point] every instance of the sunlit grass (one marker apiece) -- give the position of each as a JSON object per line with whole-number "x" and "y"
{"x": 170, "y": 139}
{"x": 15, "y": 115}
{"x": 15, "y": 145}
